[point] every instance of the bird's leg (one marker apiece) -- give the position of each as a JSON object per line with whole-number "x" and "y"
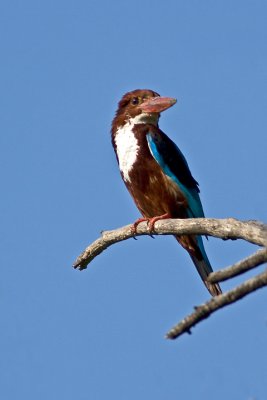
{"x": 152, "y": 221}
{"x": 137, "y": 222}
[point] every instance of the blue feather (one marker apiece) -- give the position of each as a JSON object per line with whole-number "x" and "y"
{"x": 195, "y": 209}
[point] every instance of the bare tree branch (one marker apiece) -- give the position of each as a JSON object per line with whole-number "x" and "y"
{"x": 204, "y": 311}
{"x": 251, "y": 231}
{"x": 240, "y": 267}
{"x": 230, "y": 228}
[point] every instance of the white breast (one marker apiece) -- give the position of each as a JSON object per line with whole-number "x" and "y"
{"x": 127, "y": 149}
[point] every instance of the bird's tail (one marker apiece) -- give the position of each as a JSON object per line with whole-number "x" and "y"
{"x": 195, "y": 248}
{"x": 204, "y": 269}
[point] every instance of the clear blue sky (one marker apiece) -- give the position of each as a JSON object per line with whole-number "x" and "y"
{"x": 99, "y": 334}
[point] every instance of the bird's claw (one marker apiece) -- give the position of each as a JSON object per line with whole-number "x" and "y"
{"x": 150, "y": 222}
{"x": 136, "y": 223}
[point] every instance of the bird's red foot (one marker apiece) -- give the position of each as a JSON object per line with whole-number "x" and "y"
{"x": 136, "y": 223}
{"x": 150, "y": 221}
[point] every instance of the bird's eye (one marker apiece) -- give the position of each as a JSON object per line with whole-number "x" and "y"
{"x": 135, "y": 101}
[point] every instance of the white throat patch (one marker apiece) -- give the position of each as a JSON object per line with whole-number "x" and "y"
{"x": 127, "y": 148}
{"x": 126, "y": 142}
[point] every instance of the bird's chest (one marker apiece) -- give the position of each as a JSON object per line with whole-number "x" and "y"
{"x": 154, "y": 193}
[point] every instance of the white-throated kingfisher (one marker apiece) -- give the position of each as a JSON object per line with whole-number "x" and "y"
{"x": 155, "y": 171}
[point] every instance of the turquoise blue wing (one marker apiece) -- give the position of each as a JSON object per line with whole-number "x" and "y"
{"x": 174, "y": 165}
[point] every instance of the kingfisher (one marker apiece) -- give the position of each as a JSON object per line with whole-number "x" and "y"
{"x": 156, "y": 172}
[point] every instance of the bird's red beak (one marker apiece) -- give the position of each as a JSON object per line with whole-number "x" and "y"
{"x": 157, "y": 104}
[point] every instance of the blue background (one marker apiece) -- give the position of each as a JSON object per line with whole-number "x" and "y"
{"x": 99, "y": 334}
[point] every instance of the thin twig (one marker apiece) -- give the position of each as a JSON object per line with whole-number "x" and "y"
{"x": 240, "y": 267}
{"x": 205, "y": 310}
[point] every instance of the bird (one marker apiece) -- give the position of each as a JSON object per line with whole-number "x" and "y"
{"x": 156, "y": 172}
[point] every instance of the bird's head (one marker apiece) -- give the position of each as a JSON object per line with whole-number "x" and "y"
{"x": 141, "y": 106}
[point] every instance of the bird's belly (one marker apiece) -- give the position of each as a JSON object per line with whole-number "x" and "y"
{"x": 156, "y": 194}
